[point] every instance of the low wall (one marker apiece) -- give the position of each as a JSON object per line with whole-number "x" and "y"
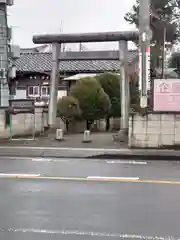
{"x": 154, "y": 131}
{"x": 22, "y": 124}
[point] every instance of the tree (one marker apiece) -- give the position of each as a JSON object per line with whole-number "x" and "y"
{"x": 111, "y": 84}
{"x": 163, "y": 16}
{"x": 68, "y": 109}
{"x": 175, "y": 62}
{"x": 93, "y": 101}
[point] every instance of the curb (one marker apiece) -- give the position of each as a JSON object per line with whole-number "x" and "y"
{"x": 42, "y": 153}
{"x": 88, "y": 154}
{"x": 151, "y": 157}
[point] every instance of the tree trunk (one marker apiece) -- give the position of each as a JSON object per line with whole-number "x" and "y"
{"x": 88, "y": 125}
{"x": 107, "y": 124}
{"x": 67, "y": 126}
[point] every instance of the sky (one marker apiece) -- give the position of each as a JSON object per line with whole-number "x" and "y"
{"x": 29, "y": 17}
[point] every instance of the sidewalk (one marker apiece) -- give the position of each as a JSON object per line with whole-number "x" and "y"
{"x": 101, "y": 147}
{"x": 99, "y": 140}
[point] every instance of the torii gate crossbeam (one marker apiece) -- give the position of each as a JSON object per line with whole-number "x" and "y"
{"x": 86, "y": 37}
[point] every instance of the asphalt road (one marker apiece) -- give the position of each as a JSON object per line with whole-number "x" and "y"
{"x": 135, "y": 202}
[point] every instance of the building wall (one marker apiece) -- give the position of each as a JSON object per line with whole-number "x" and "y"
{"x": 23, "y": 124}
{"x": 154, "y": 130}
{"x": 22, "y": 84}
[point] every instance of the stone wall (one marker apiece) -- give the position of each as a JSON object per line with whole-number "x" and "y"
{"x": 154, "y": 131}
{"x": 23, "y": 124}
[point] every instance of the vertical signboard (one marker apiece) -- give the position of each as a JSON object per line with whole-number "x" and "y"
{"x": 140, "y": 70}
{"x": 148, "y": 66}
{"x": 21, "y": 106}
{"x": 166, "y": 95}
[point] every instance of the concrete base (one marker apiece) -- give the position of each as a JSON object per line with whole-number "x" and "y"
{"x": 121, "y": 136}
{"x": 87, "y": 141}
{"x": 60, "y": 140}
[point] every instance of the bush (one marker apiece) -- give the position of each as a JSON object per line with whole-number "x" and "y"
{"x": 93, "y": 101}
{"x": 110, "y": 82}
{"x": 68, "y": 109}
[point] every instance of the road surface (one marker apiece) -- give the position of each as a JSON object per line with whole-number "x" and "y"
{"x": 49, "y": 199}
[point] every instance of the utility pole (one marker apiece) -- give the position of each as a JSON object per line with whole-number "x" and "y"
{"x": 145, "y": 36}
{"x": 4, "y": 64}
{"x": 164, "y": 51}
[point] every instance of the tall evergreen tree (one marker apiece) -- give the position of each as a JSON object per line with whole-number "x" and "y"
{"x": 164, "y": 14}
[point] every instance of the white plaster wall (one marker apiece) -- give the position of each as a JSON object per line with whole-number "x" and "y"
{"x": 23, "y": 124}
{"x": 61, "y": 93}
{"x": 20, "y": 94}
{"x": 154, "y": 130}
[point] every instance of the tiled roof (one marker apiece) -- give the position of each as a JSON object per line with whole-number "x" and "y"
{"x": 41, "y": 62}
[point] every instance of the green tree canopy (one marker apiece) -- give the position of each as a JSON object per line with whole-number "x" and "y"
{"x": 175, "y": 62}
{"x": 111, "y": 84}
{"x": 164, "y": 14}
{"x": 68, "y": 109}
{"x": 93, "y": 101}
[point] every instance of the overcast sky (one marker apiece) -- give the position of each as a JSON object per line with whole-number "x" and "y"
{"x": 30, "y": 17}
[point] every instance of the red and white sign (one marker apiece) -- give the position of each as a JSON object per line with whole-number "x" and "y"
{"x": 167, "y": 95}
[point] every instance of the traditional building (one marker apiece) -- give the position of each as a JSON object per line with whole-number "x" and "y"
{"x": 34, "y": 69}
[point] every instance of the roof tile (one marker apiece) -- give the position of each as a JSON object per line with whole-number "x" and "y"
{"x": 42, "y": 62}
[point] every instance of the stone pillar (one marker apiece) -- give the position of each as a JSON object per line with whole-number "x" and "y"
{"x": 56, "y": 48}
{"x": 124, "y": 85}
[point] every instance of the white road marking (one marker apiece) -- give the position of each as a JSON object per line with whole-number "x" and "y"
{"x": 111, "y": 178}
{"x": 5, "y": 175}
{"x": 14, "y": 157}
{"x": 87, "y": 234}
{"x": 41, "y": 160}
{"x": 37, "y": 159}
{"x": 48, "y": 160}
{"x": 126, "y": 162}
{"x": 23, "y": 139}
{"x": 41, "y": 176}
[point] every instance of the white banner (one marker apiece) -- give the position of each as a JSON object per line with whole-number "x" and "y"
{"x": 148, "y": 68}
{"x": 140, "y": 70}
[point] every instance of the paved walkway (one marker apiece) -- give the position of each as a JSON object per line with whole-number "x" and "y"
{"x": 99, "y": 140}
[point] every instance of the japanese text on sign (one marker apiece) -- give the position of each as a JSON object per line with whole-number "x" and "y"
{"x": 21, "y": 106}
{"x": 167, "y": 95}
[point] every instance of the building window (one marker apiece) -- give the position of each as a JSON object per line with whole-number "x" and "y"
{"x": 33, "y": 91}
{"x": 45, "y": 91}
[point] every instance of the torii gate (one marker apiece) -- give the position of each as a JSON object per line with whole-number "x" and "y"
{"x": 57, "y": 39}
